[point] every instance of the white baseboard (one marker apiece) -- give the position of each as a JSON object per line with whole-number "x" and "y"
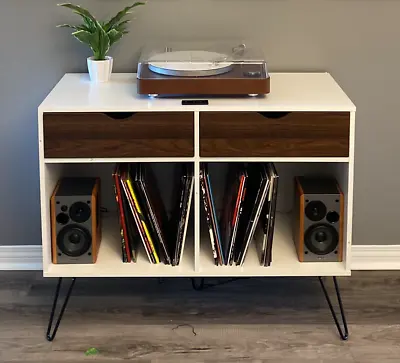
{"x": 21, "y": 257}
{"x": 364, "y": 257}
{"x": 376, "y": 257}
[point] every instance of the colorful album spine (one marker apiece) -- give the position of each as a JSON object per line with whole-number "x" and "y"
{"x": 151, "y": 188}
{"x": 186, "y": 216}
{"x": 236, "y": 217}
{"x": 257, "y": 208}
{"x": 141, "y": 216}
{"x": 126, "y": 255}
{"x": 121, "y": 233}
{"x": 215, "y": 220}
{"x": 137, "y": 221}
{"x": 179, "y": 232}
{"x": 153, "y": 220}
{"x": 272, "y": 217}
{"x": 130, "y": 225}
{"x": 208, "y": 217}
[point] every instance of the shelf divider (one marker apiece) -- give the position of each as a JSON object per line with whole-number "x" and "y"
{"x": 196, "y": 191}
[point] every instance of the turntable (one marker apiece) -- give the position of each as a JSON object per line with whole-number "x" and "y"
{"x": 201, "y": 70}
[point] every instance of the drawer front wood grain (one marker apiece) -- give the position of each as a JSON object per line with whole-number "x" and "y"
{"x": 254, "y": 134}
{"x": 102, "y": 135}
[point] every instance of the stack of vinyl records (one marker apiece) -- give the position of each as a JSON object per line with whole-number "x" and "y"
{"x": 249, "y": 203}
{"x": 142, "y": 213}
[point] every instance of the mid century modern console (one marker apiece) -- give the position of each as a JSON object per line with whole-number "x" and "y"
{"x": 306, "y": 124}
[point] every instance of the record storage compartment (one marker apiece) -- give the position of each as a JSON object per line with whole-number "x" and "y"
{"x": 110, "y": 257}
{"x": 284, "y": 257}
{"x": 306, "y": 125}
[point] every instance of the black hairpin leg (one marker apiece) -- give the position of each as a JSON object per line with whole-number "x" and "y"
{"x": 51, "y": 335}
{"x": 344, "y": 335}
{"x": 202, "y": 285}
{"x": 197, "y": 286}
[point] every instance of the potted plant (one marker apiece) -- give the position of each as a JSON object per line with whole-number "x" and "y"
{"x": 100, "y": 36}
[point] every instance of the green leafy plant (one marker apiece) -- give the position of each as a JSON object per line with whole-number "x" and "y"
{"x": 99, "y": 35}
{"x": 91, "y": 351}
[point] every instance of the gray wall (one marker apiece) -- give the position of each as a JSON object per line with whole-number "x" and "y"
{"x": 356, "y": 40}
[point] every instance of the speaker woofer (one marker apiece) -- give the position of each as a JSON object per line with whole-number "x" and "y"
{"x": 315, "y": 210}
{"x": 321, "y": 239}
{"x": 74, "y": 240}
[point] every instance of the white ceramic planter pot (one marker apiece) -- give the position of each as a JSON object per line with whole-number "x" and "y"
{"x": 100, "y": 71}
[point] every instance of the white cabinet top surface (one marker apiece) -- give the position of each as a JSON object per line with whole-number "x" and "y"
{"x": 289, "y": 92}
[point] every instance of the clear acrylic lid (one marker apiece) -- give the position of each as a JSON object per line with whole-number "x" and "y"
{"x": 201, "y": 52}
{"x": 198, "y": 58}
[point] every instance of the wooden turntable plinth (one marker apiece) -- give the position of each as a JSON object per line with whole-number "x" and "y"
{"x": 242, "y": 79}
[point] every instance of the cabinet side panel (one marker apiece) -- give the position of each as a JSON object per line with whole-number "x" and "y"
{"x": 46, "y": 254}
{"x": 350, "y": 192}
{"x": 49, "y": 180}
{"x": 342, "y": 174}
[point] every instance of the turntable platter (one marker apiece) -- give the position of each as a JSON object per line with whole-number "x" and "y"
{"x": 195, "y": 63}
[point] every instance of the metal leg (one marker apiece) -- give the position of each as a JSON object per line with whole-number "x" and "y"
{"x": 344, "y": 335}
{"x": 197, "y": 287}
{"x": 51, "y": 335}
{"x": 202, "y": 285}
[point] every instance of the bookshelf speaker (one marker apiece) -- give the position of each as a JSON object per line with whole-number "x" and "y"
{"x": 75, "y": 221}
{"x": 318, "y": 219}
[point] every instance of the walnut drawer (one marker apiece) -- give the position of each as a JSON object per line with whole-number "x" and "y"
{"x": 140, "y": 134}
{"x": 263, "y": 134}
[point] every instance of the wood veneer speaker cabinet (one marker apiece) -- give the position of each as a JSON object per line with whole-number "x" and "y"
{"x": 318, "y": 219}
{"x": 75, "y": 221}
{"x": 305, "y": 125}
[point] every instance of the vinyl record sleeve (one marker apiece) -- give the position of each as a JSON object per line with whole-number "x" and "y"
{"x": 270, "y": 219}
{"x": 134, "y": 172}
{"x": 126, "y": 254}
{"x": 214, "y": 219}
{"x": 139, "y": 225}
{"x": 259, "y": 183}
{"x": 142, "y": 219}
{"x": 208, "y": 216}
{"x": 175, "y": 222}
{"x": 232, "y": 186}
{"x": 184, "y": 216}
{"x": 237, "y": 216}
{"x": 133, "y": 233}
{"x": 148, "y": 207}
{"x": 152, "y": 188}
{"x": 183, "y": 179}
